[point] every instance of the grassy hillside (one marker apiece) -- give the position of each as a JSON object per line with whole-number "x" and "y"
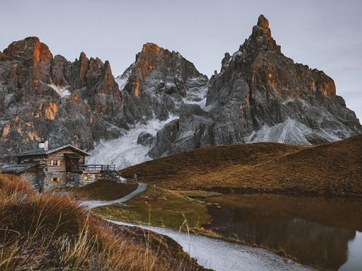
{"x": 51, "y": 232}
{"x": 328, "y": 169}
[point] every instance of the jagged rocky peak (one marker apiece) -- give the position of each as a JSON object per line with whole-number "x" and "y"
{"x": 260, "y": 40}
{"x": 155, "y": 58}
{"x": 42, "y": 96}
{"x": 30, "y": 47}
{"x": 31, "y": 58}
{"x": 158, "y": 81}
{"x": 169, "y": 68}
{"x": 261, "y": 62}
{"x": 261, "y": 95}
{"x": 261, "y": 37}
{"x": 264, "y": 92}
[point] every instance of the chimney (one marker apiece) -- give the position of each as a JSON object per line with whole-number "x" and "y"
{"x": 44, "y": 145}
{"x": 41, "y": 145}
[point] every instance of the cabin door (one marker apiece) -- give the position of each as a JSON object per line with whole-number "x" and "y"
{"x": 72, "y": 164}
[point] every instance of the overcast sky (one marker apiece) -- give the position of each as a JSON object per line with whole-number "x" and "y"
{"x": 323, "y": 34}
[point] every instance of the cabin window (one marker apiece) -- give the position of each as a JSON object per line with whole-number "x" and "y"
{"x": 55, "y": 179}
{"x": 55, "y": 162}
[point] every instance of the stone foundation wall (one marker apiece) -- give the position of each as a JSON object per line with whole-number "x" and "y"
{"x": 81, "y": 179}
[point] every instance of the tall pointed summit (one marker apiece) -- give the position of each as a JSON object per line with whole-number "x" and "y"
{"x": 262, "y": 95}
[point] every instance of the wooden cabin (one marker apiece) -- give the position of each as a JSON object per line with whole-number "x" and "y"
{"x": 47, "y": 169}
{"x": 59, "y": 167}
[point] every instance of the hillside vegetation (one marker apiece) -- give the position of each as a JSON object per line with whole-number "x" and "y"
{"x": 327, "y": 169}
{"x": 52, "y": 232}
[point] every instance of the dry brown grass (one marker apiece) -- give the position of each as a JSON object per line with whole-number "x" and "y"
{"x": 51, "y": 232}
{"x": 104, "y": 190}
{"x": 328, "y": 169}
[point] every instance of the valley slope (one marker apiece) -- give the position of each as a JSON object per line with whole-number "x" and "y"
{"x": 327, "y": 169}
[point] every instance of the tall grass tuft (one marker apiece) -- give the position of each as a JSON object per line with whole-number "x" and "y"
{"x": 52, "y": 232}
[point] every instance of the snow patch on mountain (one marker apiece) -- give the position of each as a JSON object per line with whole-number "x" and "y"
{"x": 124, "y": 151}
{"x": 291, "y": 132}
{"x": 62, "y": 91}
{"x": 123, "y": 79}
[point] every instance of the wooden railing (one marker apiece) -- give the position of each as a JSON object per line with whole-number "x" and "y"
{"x": 96, "y": 167}
{"x": 108, "y": 172}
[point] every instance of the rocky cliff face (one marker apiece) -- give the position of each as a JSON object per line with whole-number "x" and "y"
{"x": 80, "y": 102}
{"x": 258, "y": 95}
{"x": 261, "y": 95}
{"x": 46, "y": 97}
{"x": 158, "y": 83}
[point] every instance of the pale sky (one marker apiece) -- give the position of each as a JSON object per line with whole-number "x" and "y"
{"x": 323, "y": 34}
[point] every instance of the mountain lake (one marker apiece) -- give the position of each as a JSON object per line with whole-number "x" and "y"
{"x": 317, "y": 231}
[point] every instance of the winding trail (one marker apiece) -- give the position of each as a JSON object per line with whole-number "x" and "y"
{"x": 90, "y": 204}
{"x": 221, "y": 255}
{"x": 213, "y": 253}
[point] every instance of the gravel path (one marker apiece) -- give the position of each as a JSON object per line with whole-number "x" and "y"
{"x": 90, "y": 204}
{"x": 221, "y": 255}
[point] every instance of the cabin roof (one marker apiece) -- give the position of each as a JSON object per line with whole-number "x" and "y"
{"x": 17, "y": 168}
{"x": 44, "y": 152}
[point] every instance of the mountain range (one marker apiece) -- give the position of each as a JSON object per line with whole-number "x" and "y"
{"x": 162, "y": 104}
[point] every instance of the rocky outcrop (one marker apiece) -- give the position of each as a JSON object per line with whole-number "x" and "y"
{"x": 262, "y": 95}
{"x": 158, "y": 82}
{"x": 46, "y": 97}
{"x": 258, "y": 95}
{"x": 80, "y": 102}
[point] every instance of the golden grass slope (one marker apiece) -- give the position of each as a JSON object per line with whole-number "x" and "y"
{"x": 328, "y": 169}
{"x": 52, "y": 232}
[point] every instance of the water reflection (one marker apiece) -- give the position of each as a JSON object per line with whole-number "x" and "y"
{"x": 354, "y": 262}
{"x": 316, "y": 231}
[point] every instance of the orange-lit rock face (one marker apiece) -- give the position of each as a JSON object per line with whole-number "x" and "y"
{"x": 51, "y": 111}
{"x": 108, "y": 86}
{"x": 287, "y": 79}
{"x": 32, "y": 62}
{"x": 24, "y": 130}
{"x": 136, "y": 88}
{"x": 263, "y": 22}
{"x": 41, "y": 52}
{"x": 6, "y": 130}
{"x": 32, "y": 135}
{"x": 154, "y": 64}
{"x": 328, "y": 88}
{"x": 147, "y": 59}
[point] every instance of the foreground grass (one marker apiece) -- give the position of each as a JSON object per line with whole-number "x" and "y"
{"x": 104, "y": 190}
{"x": 160, "y": 207}
{"x": 52, "y": 232}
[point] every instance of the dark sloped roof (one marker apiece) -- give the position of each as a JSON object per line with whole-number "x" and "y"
{"x": 17, "y": 168}
{"x": 44, "y": 152}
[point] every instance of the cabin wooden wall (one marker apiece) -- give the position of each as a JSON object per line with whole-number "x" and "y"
{"x": 58, "y": 170}
{"x": 50, "y": 175}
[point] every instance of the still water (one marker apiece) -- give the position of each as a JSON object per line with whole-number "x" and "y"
{"x": 321, "y": 232}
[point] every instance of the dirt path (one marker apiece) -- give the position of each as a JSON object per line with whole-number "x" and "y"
{"x": 90, "y": 204}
